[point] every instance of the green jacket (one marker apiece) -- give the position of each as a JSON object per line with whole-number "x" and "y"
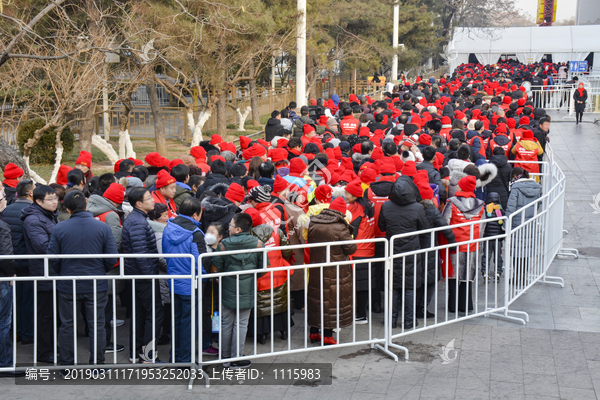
{"x": 239, "y": 262}
{"x": 180, "y": 195}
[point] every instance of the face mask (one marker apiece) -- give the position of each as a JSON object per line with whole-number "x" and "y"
{"x": 210, "y": 239}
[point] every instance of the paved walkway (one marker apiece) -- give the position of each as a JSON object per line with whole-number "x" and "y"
{"x": 557, "y": 355}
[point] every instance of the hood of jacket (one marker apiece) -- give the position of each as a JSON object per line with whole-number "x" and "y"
{"x": 179, "y": 191}
{"x": 99, "y": 205}
{"x": 499, "y": 160}
{"x": 448, "y": 111}
{"x": 457, "y": 175}
{"x": 382, "y": 188}
{"x": 502, "y": 140}
{"x": 157, "y": 227}
{"x": 263, "y": 232}
{"x": 273, "y": 122}
{"x": 218, "y": 207}
{"x": 403, "y": 192}
{"x": 457, "y": 165}
{"x": 34, "y": 209}
{"x": 336, "y": 99}
{"x": 266, "y": 181}
{"x": 469, "y": 206}
{"x": 471, "y": 133}
{"x": 356, "y": 157}
{"x": 328, "y": 216}
{"x": 527, "y": 186}
{"x": 488, "y": 173}
{"x": 177, "y": 233}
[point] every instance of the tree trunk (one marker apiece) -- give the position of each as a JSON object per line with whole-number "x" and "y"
{"x": 331, "y": 83}
{"x": 242, "y": 116}
{"x": 87, "y": 128}
{"x": 59, "y": 154}
{"x": 159, "y": 123}
{"x": 10, "y": 155}
{"x": 254, "y": 98}
{"x": 197, "y": 129}
{"x": 222, "y": 115}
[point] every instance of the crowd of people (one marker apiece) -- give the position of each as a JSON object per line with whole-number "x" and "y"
{"x": 429, "y": 154}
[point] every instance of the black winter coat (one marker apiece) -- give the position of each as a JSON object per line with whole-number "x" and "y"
{"x": 7, "y": 266}
{"x": 580, "y": 106}
{"x": 434, "y": 217}
{"x": 501, "y": 182}
{"x": 11, "y": 194}
{"x": 12, "y": 216}
{"x": 211, "y": 180}
{"x": 434, "y": 177}
{"x": 38, "y": 225}
{"x": 402, "y": 214}
{"x": 82, "y": 234}
{"x": 218, "y": 209}
{"x": 138, "y": 238}
{"x": 272, "y": 129}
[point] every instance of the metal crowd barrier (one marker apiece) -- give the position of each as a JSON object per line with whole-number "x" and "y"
{"x": 531, "y": 240}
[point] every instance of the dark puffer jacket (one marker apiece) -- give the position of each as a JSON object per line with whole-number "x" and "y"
{"x": 139, "y": 238}
{"x": 402, "y": 214}
{"x": 7, "y": 266}
{"x": 330, "y": 226}
{"x": 500, "y": 183}
{"x": 82, "y": 234}
{"x": 218, "y": 209}
{"x": 11, "y": 194}
{"x": 38, "y": 225}
{"x": 435, "y": 221}
{"x": 272, "y": 128}
{"x": 12, "y": 216}
{"x": 211, "y": 180}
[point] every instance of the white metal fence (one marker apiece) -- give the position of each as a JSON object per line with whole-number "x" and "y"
{"x": 530, "y": 241}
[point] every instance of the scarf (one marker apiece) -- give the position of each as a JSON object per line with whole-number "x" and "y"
{"x": 464, "y": 194}
{"x": 580, "y": 90}
{"x": 10, "y": 183}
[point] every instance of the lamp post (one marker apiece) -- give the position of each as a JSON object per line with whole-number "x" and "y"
{"x": 301, "y": 55}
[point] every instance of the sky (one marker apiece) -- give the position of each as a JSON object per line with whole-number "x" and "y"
{"x": 565, "y": 10}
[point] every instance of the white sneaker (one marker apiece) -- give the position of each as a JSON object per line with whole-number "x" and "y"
{"x": 120, "y": 322}
{"x": 361, "y": 321}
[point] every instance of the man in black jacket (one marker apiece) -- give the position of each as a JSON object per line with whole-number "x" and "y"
{"x": 273, "y": 126}
{"x": 82, "y": 234}
{"x": 7, "y": 269}
{"x": 39, "y": 220}
{"x": 218, "y": 170}
{"x": 138, "y": 238}
{"x": 402, "y": 214}
{"x": 434, "y": 175}
{"x": 12, "y": 216}
{"x": 500, "y": 184}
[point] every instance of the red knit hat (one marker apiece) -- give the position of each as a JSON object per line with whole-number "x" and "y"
{"x": 174, "y": 162}
{"x": 154, "y": 159}
{"x": 115, "y": 192}
{"x": 347, "y": 176}
{"x": 459, "y": 114}
{"x": 323, "y": 193}
{"x": 524, "y": 121}
{"x": 425, "y": 139}
{"x": 277, "y": 155}
{"x": 388, "y": 167}
{"x": 244, "y": 142}
{"x": 368, "y": 176}
{"x": 297, "y": 166}
{"x": 409, "y": 168}
{"x": 280, "y": 184}
{"x": 85, "y": 159}
{"x": 446, "y": 120}
{"x": 255, "y": 214}
{"x": 506, "y": 100}
{"x": 338, "y": 205}
{"x": 117, "y": 165}
{"x": 255, "y": 151}
{"x": 198, "y": 152}
{"x": 468, "y": 183}
{"x": 61, "y": 177}
{"x": 527, "y": 135}
{"x": 377, "y": 154}
{"x": 163, "y": 179}
{"x": 252, "y": 184}
{"x": 217, "y": 157}
{"x": 12, "y": 171}
{"x": 282, "y": 143}
{"x": 364, "y": 132}
{"x": 521, "y": 102}
{"x": 235, "y": 192}
{"x": 355, "y": 188}
{"x": 307, "y": 128}
{"x": 215, "y": 139}
{"x": 511, "y": 123}
{"x": 136, "y": 162}
{"x": 425, "y": 190}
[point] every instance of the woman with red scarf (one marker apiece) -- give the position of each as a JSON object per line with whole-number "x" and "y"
{"x": 12, "y": 176}
{"x": 580, "y": 96}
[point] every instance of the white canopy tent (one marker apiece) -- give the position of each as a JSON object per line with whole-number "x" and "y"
{"x": 528, "y": 44}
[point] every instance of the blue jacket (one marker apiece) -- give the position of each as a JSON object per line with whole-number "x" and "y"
{"x": 182, "y": 235}
{"x": 82, "y": 234}
{"x": 38, "y": 225}
{"x": 12, "y": 216}
{"x": 138, "y": 238}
